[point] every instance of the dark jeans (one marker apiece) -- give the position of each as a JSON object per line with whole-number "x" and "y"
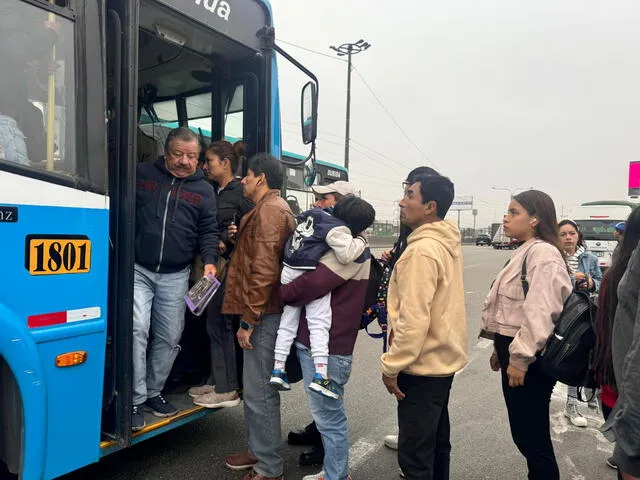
{"x": 226, "y": 355}
{"x": 528, "y": 408}
{"x": 423, "y": 417}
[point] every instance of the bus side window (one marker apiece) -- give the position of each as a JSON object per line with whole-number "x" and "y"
{"x": 37, "y": 87}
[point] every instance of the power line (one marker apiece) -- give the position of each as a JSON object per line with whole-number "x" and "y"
{"x": 386, "y": 110}
{"x": 311, "y": 50}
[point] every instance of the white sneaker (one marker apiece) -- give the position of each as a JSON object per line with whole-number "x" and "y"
{"x": 218, "y": 400}
{"x": 391, "y": 441}
{"x": 318, "y": 476}
{"x": 574, "y": 415}
{"x": 401, "y": 472}
{"x": 201, "y": 390}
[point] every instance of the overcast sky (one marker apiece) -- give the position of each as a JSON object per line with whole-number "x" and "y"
{"x": 502, "y": 93}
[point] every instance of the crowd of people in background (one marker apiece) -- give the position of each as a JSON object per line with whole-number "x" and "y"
{"x": 196, "y": 218}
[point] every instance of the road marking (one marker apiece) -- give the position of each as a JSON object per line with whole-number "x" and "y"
{"x": 359, "y": 452}
{"x": 477, "y": 349}
{"x": 560, "y": 425}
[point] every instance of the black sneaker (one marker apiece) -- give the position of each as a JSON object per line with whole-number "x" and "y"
{"x": 160, "y": 407}
{"x": 137, "y": 419}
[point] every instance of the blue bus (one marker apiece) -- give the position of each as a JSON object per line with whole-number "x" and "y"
{"x": 75, "y": 76}
{"x": 301, "y": 176}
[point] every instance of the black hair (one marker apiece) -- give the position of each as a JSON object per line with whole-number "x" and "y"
{"x": 581, "y": 242}
{"x": 436, "y": 188}
{"x": 603, "y": 361}
{"x": 271, "y": 167}
{"x": 421, "y": 172}
{"x": 355, "y": 212}
{"x": 183, "y": 134}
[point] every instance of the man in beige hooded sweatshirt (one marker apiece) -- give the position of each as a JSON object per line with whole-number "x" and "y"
{"x": 428, "y": 340}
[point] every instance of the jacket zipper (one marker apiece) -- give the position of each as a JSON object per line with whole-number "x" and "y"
{"x": 164, "y": 224}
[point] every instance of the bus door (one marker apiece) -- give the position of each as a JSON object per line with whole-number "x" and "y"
{"x": 54, "y": 235}
{"x": 167, "y": 68}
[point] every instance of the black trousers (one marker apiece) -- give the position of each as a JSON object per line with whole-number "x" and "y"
{"x": 226, "y": 354}
{"x": 423, "y": 417}
{"x": 528, "y": 408}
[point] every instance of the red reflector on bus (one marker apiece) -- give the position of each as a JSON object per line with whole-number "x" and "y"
{"x": 47, "y": 319}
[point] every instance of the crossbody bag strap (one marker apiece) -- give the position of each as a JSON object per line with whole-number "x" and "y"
{"x": 523, "y": 278}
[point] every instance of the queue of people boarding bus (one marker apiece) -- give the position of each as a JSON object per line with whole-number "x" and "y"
{"x": 181, "y": 215}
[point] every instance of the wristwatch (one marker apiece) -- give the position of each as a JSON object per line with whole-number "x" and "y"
{"x": 246, "y": 326}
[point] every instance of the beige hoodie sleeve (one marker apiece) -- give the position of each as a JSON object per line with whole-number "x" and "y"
{"x": 346, "y": 247}
{"x": 417, "y": 279}
{"x": 549, "y": 287}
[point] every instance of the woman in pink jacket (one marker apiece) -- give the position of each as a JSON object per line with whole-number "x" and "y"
{"x": 521, "y": 323}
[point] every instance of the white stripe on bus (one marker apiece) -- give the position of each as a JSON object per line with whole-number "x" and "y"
{"x": 21, "y": 190}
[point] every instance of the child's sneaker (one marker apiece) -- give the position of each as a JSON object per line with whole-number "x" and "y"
{"x": 324, "y": 386}
{"x": 279, "y": 380}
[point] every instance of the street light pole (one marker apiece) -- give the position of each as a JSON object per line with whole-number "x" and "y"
{"x": 512, "y": 191}
{"x": 348, "y": 119}
{"x": 349, "y": 49}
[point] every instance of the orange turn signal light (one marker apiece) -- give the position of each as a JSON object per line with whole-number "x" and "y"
{"x": 71, "y": 359}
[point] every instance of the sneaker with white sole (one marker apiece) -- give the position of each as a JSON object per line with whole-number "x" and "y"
{"x": 611, "y": 463}
{"x": 574, "y": 415}
{"x": 159, "y": 407}
{"x": 218, "y": 400}
{"x": 137, "y": 418}
{"x": 324, "y": 386}
{"x": 201, "y": 390}
{"x": 319, "y": 476}
{"x": 391, "y": 441}
{"x": 279, "y": 380}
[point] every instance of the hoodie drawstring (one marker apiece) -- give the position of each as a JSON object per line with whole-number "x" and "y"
{"x": 159, "y": 197}
{"x": 175, "y": 204}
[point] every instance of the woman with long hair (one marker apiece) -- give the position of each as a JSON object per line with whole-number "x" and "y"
{"x": 586, "y": 276}
{"x": 520, "y": 323}
{"x": 608, "y": 301}
{"x": 221, "y": 389}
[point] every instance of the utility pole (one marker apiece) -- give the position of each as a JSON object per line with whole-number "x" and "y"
{"x": 349, "y": 49}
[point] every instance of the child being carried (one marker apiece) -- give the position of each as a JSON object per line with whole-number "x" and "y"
{"x": 317, "y": 232}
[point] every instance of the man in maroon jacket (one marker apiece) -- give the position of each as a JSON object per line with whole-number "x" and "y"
{"x": 347, "y": 285}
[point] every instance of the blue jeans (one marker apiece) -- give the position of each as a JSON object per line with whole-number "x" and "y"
{"x": 328, "y": 413}
{"x": 13, "y": 147}
{"x": 158, "y": 305}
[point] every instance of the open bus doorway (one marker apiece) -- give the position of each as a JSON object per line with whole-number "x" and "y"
{"x": 185, "y": 75}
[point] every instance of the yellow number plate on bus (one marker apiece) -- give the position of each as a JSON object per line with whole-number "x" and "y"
{"x": 57, "y": 254}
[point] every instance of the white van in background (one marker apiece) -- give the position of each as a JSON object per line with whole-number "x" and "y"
{"x": 596, "y": 221}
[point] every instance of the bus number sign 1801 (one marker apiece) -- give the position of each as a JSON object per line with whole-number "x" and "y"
{"x": 57, "y": 254}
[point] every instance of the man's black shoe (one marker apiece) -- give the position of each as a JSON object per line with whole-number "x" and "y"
{"x": 315, "y": 456}
{"x": 309, "y": 436}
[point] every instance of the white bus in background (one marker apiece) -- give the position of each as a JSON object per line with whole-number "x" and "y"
{"x": 596, "y": 221}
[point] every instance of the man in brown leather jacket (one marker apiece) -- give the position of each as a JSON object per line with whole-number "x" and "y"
{"x": 253, "y": 281}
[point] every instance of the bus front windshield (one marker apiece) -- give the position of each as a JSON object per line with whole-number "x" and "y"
{"x": 601, "y": 230}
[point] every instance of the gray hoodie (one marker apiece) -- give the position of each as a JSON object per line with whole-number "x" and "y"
{"x": 623, "y": 425}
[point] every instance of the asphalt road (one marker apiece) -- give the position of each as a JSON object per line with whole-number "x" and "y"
{"x": 482, "y": 446}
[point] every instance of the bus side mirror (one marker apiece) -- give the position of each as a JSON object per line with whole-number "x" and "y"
{"x": 309, "y": 113}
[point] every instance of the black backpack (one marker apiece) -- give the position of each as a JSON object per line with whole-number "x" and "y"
{"x": 375, "y": 301}
{"x": 568, "y": 354}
